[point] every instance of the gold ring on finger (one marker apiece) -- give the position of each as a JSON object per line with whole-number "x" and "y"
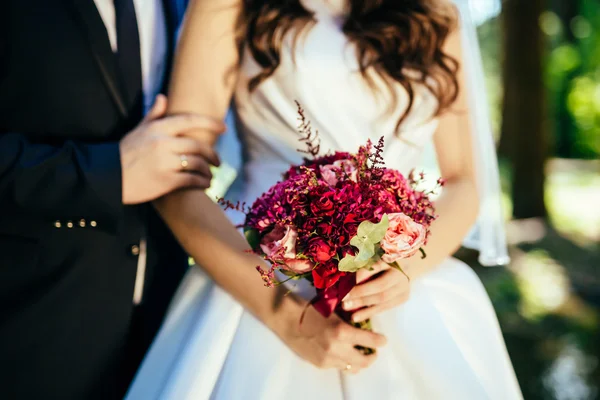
{"x": 184, "y": 161}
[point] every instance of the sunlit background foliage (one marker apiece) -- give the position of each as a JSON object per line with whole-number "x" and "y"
{"x": 548, "y": 299}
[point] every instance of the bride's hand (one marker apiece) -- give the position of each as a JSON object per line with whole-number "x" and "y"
{"x": 387, "y": 289}
{"x": 328, "y": 343}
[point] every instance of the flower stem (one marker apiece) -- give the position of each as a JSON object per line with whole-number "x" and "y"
{"x": 368, "y": 326}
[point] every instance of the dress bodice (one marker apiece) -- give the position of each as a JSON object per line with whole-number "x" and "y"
{"x": 322, "y": 73}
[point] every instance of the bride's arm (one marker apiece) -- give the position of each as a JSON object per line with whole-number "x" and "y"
{"x": 458, "y": 205}
{"x": 206, "y": 62}
{"x": 203, "y": 79}
{"x": 202, "y": 82}
{"x": 457, "y": 209}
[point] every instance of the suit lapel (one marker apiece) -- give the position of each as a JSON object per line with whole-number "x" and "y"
{"x": 175, "y": 10}
{"x": 170, "y": 8}
{"x": 95, "y": 30}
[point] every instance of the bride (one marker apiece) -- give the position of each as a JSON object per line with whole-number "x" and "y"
{"x": 361, "y": 69}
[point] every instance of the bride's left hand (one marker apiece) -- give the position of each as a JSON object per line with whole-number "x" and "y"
{"x": 387, "y": 289}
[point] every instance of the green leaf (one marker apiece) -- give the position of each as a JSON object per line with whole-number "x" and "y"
{"x": 367, "y": 236}
{"x": 366, "y": 249}
{"x": 366, "y": 241}
{"x": 368, "y": 231}
{"x": 287, "y": 273}
{"x": 348, "y": 264}
{"x": 252, "y": 237}
{"x": 351, "y": 264}
{"x": 294, "y": 276}
{"x": 399, "y": 268}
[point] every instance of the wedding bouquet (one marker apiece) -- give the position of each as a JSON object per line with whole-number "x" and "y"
{"x": 332, "y": 216}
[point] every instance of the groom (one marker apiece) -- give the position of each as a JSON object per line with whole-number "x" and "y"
{"x": 87, "y": 268}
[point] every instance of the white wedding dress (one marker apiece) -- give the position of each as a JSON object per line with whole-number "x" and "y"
{"x": 444, "y": 343}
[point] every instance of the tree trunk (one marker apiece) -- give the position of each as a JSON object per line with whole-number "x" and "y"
{"x": 524, "y": 108}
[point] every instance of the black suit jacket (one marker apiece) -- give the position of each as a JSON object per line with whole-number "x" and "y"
{"x": 68, "y": 328}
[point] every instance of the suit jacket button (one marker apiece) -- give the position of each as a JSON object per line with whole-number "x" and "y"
{"x": 93, "y": 224}
{"x": 135, "y": 250}
{"x": 69, "y": 224}
{"x": 57, "y": 224}
{"x": 82, "y": 223}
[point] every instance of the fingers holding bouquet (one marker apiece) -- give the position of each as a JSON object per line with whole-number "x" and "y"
{"x": 379, "y": 289}
{"x": 330, "y": 343}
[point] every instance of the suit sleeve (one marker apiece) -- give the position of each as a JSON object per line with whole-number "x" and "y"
{"x": 67, "y": 181}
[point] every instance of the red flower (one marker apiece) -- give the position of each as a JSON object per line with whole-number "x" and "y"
{"x": 310, "y": 224}
{"x": 322, "y": 203}
{"x": 320, "y": 251}
{"x": 343, "y": 239}
{"x": 324, "y": 229}
{"x": 325, "y": 276}
{"x": 350, "y": 218}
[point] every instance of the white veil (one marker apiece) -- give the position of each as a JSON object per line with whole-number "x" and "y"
{"x": 488, "y": 235}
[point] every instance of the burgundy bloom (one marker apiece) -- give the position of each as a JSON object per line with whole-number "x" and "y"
{"x": 323, "y": 202}
{"x": 350, "y": 218}
{"x": 326, "y": 276}
{"x": 310, "y": 224}
{"x": 320, "y": 250}
{"x": 343, "y": 239}
{"x": 324, "y": 229}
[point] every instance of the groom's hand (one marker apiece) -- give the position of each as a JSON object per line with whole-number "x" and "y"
{"x": 157, "y": 159}
{"x": 378, "y": 290}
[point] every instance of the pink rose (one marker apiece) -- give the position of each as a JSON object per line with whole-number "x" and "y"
{"x": 404, "y": 237}
{"x": 298, "y": 266}
{"x": 279, "y": 245}
{"x": 331, "y": 172}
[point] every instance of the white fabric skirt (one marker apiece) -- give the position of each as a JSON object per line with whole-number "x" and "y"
{"x": 444, "y": 343}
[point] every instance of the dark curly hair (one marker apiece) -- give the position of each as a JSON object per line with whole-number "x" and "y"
{"x": 402, "y": 40}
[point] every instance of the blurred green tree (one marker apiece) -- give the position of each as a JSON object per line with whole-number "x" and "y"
{"x": 565, "y": 128}
{"x": 583, "y": 100}
{"x": 573, "y": 76}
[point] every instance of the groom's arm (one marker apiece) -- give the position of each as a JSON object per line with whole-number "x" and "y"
{"x": 63, "y": 181}
{"x": 73, "y": 180}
